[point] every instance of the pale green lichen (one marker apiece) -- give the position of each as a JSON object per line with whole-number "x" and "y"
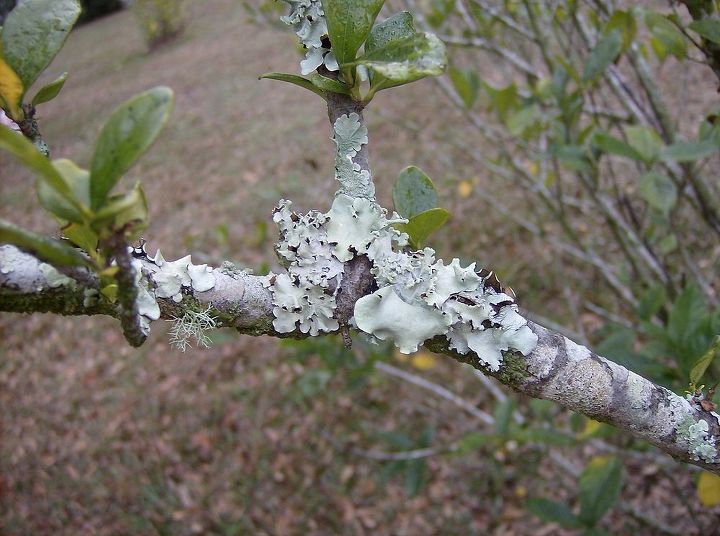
{"x": 418, "y": 297}
{"x": 700, "y": 443}
{"x": 308, "y": 20}
{"x": 171, "y": 276}
{"x": 350, "y": 136}
{"x": 192, "y": 326}
{"x": 54, "y": 278}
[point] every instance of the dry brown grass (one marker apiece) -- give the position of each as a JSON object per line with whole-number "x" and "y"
{"x": 98, "y": 438}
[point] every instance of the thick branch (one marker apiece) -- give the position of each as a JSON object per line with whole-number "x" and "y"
{"x": 557, "y": 370}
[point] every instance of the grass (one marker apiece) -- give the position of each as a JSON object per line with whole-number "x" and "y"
{"x": 249, "y": 437}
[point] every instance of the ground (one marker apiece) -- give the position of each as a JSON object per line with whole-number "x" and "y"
{"x": 252, "y": 436}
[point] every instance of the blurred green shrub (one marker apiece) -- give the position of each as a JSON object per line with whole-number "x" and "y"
{"x": 94, "y": 9}
{"x": 160, "y": 20}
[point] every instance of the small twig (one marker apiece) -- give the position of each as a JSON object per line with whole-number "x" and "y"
{"x": 436, "y": 389}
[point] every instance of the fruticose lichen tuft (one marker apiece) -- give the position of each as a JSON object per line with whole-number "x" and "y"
{"x": 700, "y": 443}
{"x": 308, "y": 20}
{"x": 193, "y": 325}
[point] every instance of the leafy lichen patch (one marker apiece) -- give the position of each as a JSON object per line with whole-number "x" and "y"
{"x": 700, "y": 442}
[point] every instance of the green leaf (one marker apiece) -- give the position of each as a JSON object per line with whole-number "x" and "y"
{"x": 33, "y": 34}
{"x": 702, "y": 364}
{"x": 574, "y": 158}
{"x": 127, "y": 212}
{"x": 329, "y": 85}
{"x": 297, "y": 80}
{"x": 466, "y": 83}
{"x": 82, "y": 236}
{"x": 79, "y": 181}
{"x": 518, "y": 121}
{"x": 413, "y": 192}
{"x": 552, "y": 512}
{"x": 503, "y": 416}
{"x": 503, "y": 100}
{"x": 707, "y": 29}
{"x": 422, "y": 225}
{"x": 623, "y": 21}
{"x": 50, "y": 91}
{"x": 127, "y": 134}
{"x": 28, "y": 155}
{"x": 396, "y": 54}
{"x": 602, "y": 55}
{"x": 645, "y": 141}
{"x": 667, "y": 38}
{"x": 688, "y": 151}
{"x": 659, "y": 191}
{"x": 44, "y": 248}
{"x": 599, "y": 488}
{"x": 349, "y": 23}
{"x": 651, "y": 302}
{"x": 612, "y": 145}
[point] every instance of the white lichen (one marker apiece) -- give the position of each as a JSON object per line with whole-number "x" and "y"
{"x": 171, "y": 276}
{"x": 54, "y": 278}
{"x": 192, "y": 326}
{"x": 308, "y": 20}
{"x": 418, "y": 297}
{"x": 350, "y": 135}
{"x": 700, "y": 443}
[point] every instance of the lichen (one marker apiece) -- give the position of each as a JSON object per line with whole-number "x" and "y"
{"x": 54, "y": 278}
{"x": 192, "y": 326}
{"x": 308, "y": 20}
{"x": 418, "y": 298}
{"x": 171, "y": 276}
{"x": 350, "y": 136}
{"x": 700, "y": 443}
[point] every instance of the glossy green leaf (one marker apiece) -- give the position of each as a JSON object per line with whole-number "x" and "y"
{"x": 28, "y": 155}
{"x": 645, "y": 141}
{"x": 50, "y": 91}
{"x": 296, "y": 80}
{"x": 612, "y": 145}
{"x": 504, "y": 99}
{"x": 329, "y": 85}
{"x": 79, "y": 181}
{"x": 396, "y": 54}
{"x": 466, "y": 83}
{"x": 127, "y": 134}
{"x": 518, "y": 121}
{"x": 33, "y": 34}
{"x": 659, "y": 191}
{"x": 599, "y": 488}
{"x": 422, "y": 225}
{"x": 702, "y": 364}
{"x": 605, "y": 52}
{"x": 553, "y": 512}
{"x": 349, "y": 23}
{"x": 689, "y": 151}
{"x": 44, "y": 248}
{"x": 707, "y": 28}
{"x": 413, "y": 192}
